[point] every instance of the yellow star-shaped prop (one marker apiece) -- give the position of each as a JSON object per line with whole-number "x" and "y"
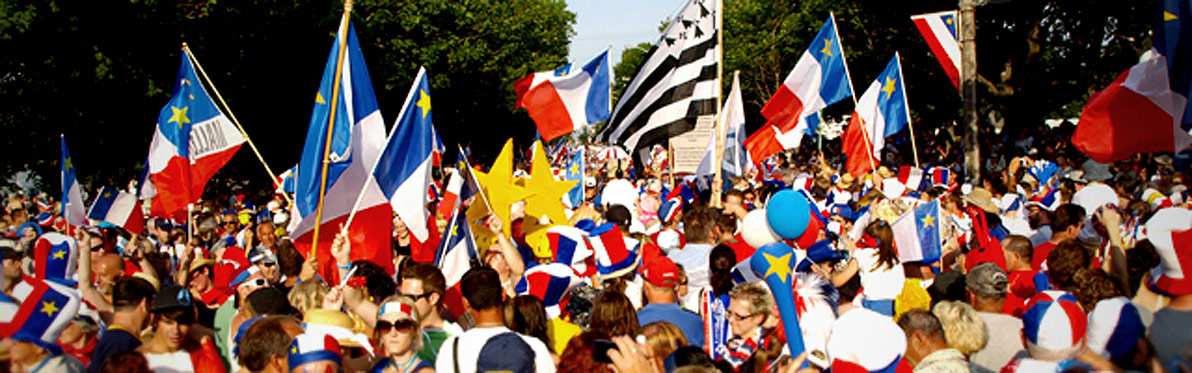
{"x": 889, "y": 87}
{"x": 548, "y": 192}
{"x": 60, "y": 254}
{"x": 499, "y": 190}
{"x": 423, "y": 102}
{"x": 780, "y": 266}
{"x": 928, "y": 221}
{"x": 179, "y": 116}
{"x": 827, "y": 51}
{"x": 49, "y": 308}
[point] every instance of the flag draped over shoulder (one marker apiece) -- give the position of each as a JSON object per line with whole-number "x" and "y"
{"x": 940, "y": 29}
{"x": 355, "y": 143}
{"x": 881, "y": 112}
{"x": 561, "y": 104}
{"x": 675, "y": 85}
{"x": 72, "y": 196}
{"x": 193, "y": 140}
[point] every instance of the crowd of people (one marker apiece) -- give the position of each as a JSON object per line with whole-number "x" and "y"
{"x": 1050, "y": 264}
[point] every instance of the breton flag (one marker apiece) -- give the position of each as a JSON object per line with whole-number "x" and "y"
{"x": 455, "y": 258}
{"x": 119, "y": 208}
{"x": 72, "y": 196}
{"x": 917, "y": 234}
{"x": 941, "y": 30}
{"x": 403, "y": 169}
{"x": 882, "y": 111}
{"x": 575, "y": 172}
{"x": 819, "y": 79}
{"x": 564, "y": 104}
{"x": 355, "y": 145}
{"x": 192, "y": 141}
{"x": 675, "y": 85}
{"x": 735, "y": 161}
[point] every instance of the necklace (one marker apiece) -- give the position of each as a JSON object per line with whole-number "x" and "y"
{"x": 405, "y": 366}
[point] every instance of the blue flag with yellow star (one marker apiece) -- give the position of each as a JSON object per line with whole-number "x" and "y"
{"x": 917, "y": 234}
{"x": 73, "y": 209}
{"x": 575, "y": 172}
{"x": 1173, "y": 39}
{"x": 403, "y": 169}
{"x": 45, "y": 309}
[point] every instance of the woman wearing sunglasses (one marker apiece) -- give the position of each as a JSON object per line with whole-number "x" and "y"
{"x": 397, "y": 331}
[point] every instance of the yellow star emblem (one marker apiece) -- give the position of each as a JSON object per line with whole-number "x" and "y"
{"x": 107, "y": 194}
{"x": 60, "y": 254}
{"x": 827, "y": 51}
{"x": 319, "y": 98}
{"x": 548, "y": 192}
{"x": 780, "y": 266}
{"x": 68, "y": 164}
{"x": 179, "y": 116}
{"x": 49, "y": 308}
{"x": 928, "y": 221}
{"x": 455, "y": 231}
{"x": 499, "y": 190}
{"x": 889, "y": 87}
{"x": 1169, "y": 16}
{"x": 185, "y": 82}
{"x": 423, "y": 102}
{"x": 948, "y": 20}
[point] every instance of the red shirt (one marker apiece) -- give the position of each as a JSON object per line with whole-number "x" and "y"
{"x": 742, "y": 249}
{"x": 1022, "y": 288}
{"x": 1040, "y": 254}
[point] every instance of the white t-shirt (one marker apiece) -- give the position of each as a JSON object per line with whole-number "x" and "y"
{"x": 470, "y": 343}
{"x": 175, "y": 362}
{"x": 884, "y": 283}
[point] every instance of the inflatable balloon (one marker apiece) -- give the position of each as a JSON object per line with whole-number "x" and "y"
{"x": 775, "y": 263}
{"x": 788, "y": 214}
{"x": 755, "y": 229}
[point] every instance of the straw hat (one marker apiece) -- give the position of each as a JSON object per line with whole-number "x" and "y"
{"x": 982, "y": 198}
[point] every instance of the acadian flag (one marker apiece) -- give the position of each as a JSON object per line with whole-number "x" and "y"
{"x": 917, "y": 234}
{"x": 819, "y": 79}
{"x": 561, "y": 104}
{"x": 575, "y": 172}
{"x": 455, "y": 257}
{"x": 119, "y": 208}
{"x": 352, "y": 145}
{"x": 941, "y": 29}
{"x": 73, "y": 209}
{"x": 193, "y": 140}
{"x": 403, "y": 168}
{"x": 881, "y": 112}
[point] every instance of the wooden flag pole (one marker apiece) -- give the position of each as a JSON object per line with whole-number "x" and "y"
{"x": 272, "y": 176}
{"x": 339, "y": 65}
{"x": 852, "y": 92}
{"x": 717, "y": 185}
{"x": 909, "y": 123}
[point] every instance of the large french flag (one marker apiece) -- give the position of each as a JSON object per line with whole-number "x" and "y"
{"x": 917, "y": 234}
{"x": 882, "y": 111}
{"x": 455, "y": 256}
{"x": 192, "y": 141}
{"x": 1137, "y": 113}
{"x": 355, "y": 144}
{"x": 563, "y": 104}
{"x": 940, "y": 29}
{"x": 403, "y": 169}
{"x": 819, "y": 79}
{"x": 73, "y": 209}
{"x": 119, "y": 208}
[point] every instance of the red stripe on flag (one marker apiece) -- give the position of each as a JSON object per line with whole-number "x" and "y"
{"x": 857, "y": 147}
{"x": 782, "y": 110}
{"x": 934, "y": 43}
{"x": 370, "y": 234}
{"x": 548, "y": 110}
{"x": 763, "y": 143}
{"x": 1118, "y": 122}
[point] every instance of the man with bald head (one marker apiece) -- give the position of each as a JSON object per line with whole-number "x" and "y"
{"x": 108, "y": 269}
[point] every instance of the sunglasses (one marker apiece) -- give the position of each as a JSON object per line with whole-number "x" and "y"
{"x": 402, "y": 326}
{"x": 256, "y": 282}
{"x": 419, "y": 296}
{"x": 739, "y": 317}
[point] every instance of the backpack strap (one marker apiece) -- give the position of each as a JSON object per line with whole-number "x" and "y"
{"x": 455, "y": 353}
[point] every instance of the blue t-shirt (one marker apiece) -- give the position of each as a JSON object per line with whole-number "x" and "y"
{"x": 690, "y": 323}
{"x": 113, "y": 341}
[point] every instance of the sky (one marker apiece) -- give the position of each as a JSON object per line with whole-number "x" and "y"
{"x": 617, "y": 23}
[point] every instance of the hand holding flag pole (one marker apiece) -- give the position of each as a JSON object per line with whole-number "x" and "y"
{"x": 774, "y": 263}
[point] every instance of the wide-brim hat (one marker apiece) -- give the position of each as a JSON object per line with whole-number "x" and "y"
{"x": 336, "y": 324}
{"x": 983, "y": 199}
{"x": 1170, "y": 232}
{"x": 1096, "y": 171}
{"x": 845, "y": 181}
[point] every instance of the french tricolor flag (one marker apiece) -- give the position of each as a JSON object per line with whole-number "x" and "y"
{"x": 910, "y": 176}
{"x": 403, "y": 169}
{"x": 941, "y": 30}
{"x": 819, "y": 79}
{"x": 119, "y": 208}
{"x": 563, "y": 104}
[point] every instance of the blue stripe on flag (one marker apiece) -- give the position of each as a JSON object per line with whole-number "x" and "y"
{"x": 598, "y": 91}
{"x": 410, "y": 144}
{"x": 891, "y": 101}
{"x": 826, "y": 49}
{"x": 102, "y": 204}
{"x": 927, "y": 226}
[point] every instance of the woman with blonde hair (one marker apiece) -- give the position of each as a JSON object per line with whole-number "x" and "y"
{"x": 307, "y": 295}
{"x": 663, "y": 338}
{"x": 964, "y": 329}
{"x": 397, "y": 331}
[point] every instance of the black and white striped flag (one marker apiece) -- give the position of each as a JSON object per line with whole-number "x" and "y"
{"x": 675, "y": 85}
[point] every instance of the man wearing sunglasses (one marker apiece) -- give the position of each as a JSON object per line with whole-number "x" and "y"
{"x": 264, "y": 259}
{"x": 426, "y": 285}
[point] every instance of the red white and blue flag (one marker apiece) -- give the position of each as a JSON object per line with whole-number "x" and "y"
{"x": 455, "y": 257}
{"x": 917, "y": 234}
{"x": 941, "y": 30}
{"x": 403, "y": 169}
{"x": 563, "y": 103}
{"x": 193, "y": 140}
{"x": 119, "y": 208}
{"x": 911, "y": 177}
{"x": 882, "y": 111}
{"x": 352, "y": 146}
{"x": 819, "y": 79}
{"x": 73, "y": 209}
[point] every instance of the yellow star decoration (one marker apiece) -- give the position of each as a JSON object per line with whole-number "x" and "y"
{"x": 185, "y": 82}
{"x": 179, "y": 116}
{"x": 889, "y": 87}
{"x": 69, "y": 164}
{"x": 948, "y": 20}
{"x": 423, "y": 102}
{"x": 827, "y": 51}
{"x": 107, "y": 194}
{"x": 49, "y": 308}
{"x": 780, "y": 266}
{"x": 455, "y": 231}
{"x": 60, "y": 254}
{"x": 1169, "y": 16}
{"x": 319, "y": 98}
{"x": 928, "y": 221}
{"x": 500, "y": 191}
{"x": 548, "y": 192}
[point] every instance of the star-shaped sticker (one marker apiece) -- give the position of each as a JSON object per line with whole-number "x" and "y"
{"x": 928, "y": 221}
{"x": 60, "y": 254}
{"x": 423, "y": 102}
{"x": 499, "y": 189}
{"x": 179, "y": 116}
{"x": 49, "y": 308}
{"x": 548, "y": 192}
{"x": 780, "y": 266}
{"x": 889, "y": 87}
{"x": 827, "y": 51}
